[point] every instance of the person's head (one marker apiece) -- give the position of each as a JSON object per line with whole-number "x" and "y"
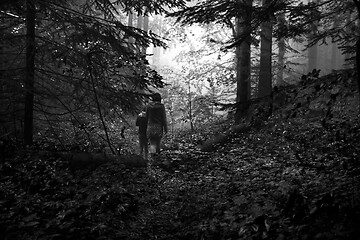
{"x": 142, "y": 111}
{"x": 156, "y": 97}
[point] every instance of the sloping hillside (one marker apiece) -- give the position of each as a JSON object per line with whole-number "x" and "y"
{"x": 294, "y": 174}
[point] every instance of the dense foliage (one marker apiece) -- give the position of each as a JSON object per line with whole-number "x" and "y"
{"x": 293, "y": 175}
{"x": 88, "y": 66}
{"x": 288, "y": 170}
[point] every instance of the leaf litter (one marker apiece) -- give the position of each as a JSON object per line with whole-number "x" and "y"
{"x": 295, "y": 177}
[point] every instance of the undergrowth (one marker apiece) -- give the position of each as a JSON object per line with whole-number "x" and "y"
{"x": 294, "y": 176}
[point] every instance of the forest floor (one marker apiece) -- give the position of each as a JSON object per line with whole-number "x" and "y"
{"x": 293, "y": 175}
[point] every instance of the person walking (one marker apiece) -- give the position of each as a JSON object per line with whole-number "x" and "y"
{"x": 156, "y": 122}
{"x": 141, "y": 122}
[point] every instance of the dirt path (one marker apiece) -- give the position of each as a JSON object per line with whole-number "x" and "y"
{"x": 261, "y": 185}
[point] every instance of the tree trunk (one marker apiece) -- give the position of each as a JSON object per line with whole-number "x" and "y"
{"x": 30, "y": 70}
{"x": 146, "y": 23}
{"x": 265, "y": 75}
{"x": 349, "y": 31}
{"x": 139, "y": 24}
{"x": 313, "y": 50}
{"x": 349, "y": 24}
{"x": 358, "y": 61}
{"x": 281, "y": 55}
{"x": 357, "y": 4}
{"x": 312, "y": 58}
{"x": 335, "y": 55}
{"x": 190, "y": 108}
{"x": 243, "y": 64}
{"x": 157, "y": 50}
{"x": 130, "y": 24}
{"x": 146, "y": 29}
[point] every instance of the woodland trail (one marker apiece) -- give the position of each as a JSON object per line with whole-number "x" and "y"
{"x": 286, "y": 180}
{"x": 261, "y": 185}
{"x": 296, "y": 175}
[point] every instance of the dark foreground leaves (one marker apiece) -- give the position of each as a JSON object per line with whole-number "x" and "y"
{"x": 288, "y": 181}
{"x": 292, "y": 177}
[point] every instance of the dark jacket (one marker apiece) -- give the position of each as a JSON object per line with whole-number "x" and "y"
{"x": 155, "y": 114}
{"x": 141, "y": 122}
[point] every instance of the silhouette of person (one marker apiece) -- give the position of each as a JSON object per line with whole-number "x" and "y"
{"x": 141, "y": 122}
{"x": 156, "y": 122}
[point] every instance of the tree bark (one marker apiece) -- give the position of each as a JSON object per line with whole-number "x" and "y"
{"x": 334, "y": 48}
{"x": 243, "y": 64}
{"x": 190, "y": 107}
{"x": 358, "y": 61}
{"x": 349, "y": 31}
{"x": 281, "y": 61}
{"x": 146, "y": 23}
{"x": 313, "y": 50}
{"x": 357, "y": 4}
{"x": 265, "y": 75}
{"x": 30, "y": 73}
{"x": 146, "y": 29}
{"x": 130, "y": 20}
{"x": 139, "y": 24}
{"x": 281, "y": 54}
{"x": 157, "y": 50}
{"x": 130, "y": 24}
{"x": 312, "y": 58}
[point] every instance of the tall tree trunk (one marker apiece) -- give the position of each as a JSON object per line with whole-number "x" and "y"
{"x": 357, "y": 4}
{"x": 30, "y": 73}
{"x": 281, "y": 54}
{"x": 157, "y": 50}
{"x": 146, "y": 29}
{"x": 130, "y": 24}
{"x": 313, "y": 50}
{"x": 139, "y": 24}
{"x": 146, "y": 23}
{"x": 130, "y": 20}
{"x": 190, "y": 107}
{"x": 358, "y": 61}
{"x": 334, "y": 48}
{"x": 281, "y": 61}
{"x": 349, "y": 31}
{"x": 312, "y": 56}
{"x": 265, "y": 75}
{"x": 243, "y": 64}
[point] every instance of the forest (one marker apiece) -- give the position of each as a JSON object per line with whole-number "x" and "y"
{"x": 262, "y": 107}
